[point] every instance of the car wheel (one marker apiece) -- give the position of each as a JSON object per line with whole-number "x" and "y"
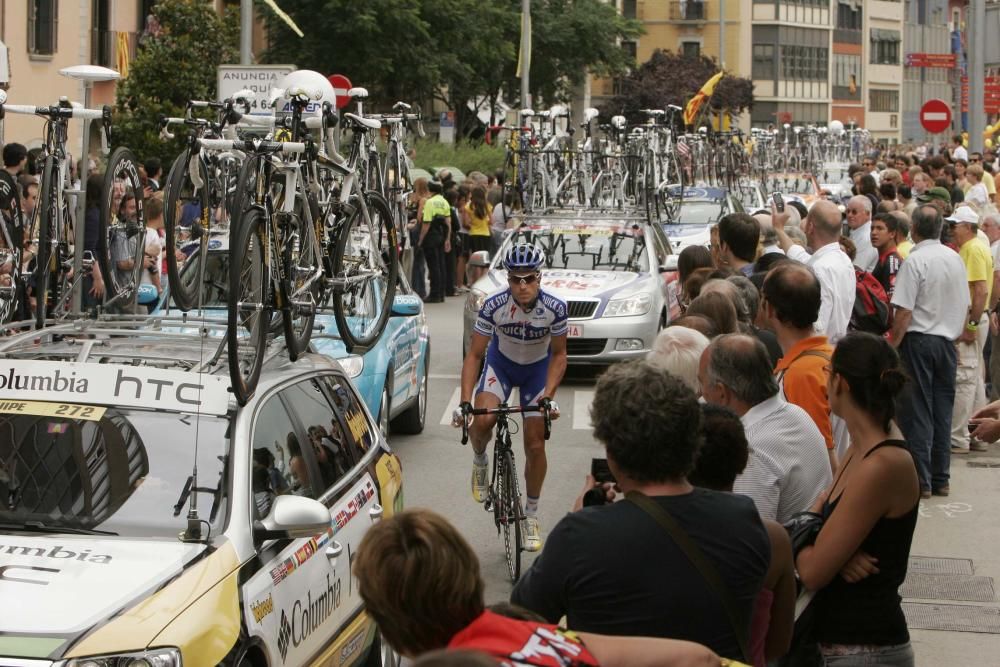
{"x": 413, "y": 419}
{"x": 381, "y": 654}
{"x": 383, "y": 410}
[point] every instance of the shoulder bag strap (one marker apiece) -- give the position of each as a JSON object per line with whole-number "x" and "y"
{"x": 697, "y": 558}
{"x": 806, "y": 353}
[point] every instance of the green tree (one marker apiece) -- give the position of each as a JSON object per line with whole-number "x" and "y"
{"x": 673, "y": 78}
{"x": 177, "y": 64}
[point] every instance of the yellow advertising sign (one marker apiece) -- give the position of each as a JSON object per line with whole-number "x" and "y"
{"x": 44, "y": 409}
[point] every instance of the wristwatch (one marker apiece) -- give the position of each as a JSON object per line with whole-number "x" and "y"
{"x": 973, "y": 325}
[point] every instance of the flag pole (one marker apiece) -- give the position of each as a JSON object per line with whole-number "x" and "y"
{"x": 525, "y": 53}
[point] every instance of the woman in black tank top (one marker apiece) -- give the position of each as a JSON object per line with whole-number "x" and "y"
{"x": 859, "y": 559}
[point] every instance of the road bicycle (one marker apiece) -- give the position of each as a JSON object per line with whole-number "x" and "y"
{"x": 302, "y": 242}
{"x": 503, "y": 497}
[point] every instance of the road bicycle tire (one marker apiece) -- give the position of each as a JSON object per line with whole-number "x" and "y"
{"x": 301, "y": 259}
{"x": 511, "y": 514}
{"x": 510, "y": 188}
{"x": 181, "y": 193}
{"x": 365, "y": 267}
{"x": 46, "y": 212}
{"x": 250, "y": 306}
{"x": 122, "y": 230}
{"x": 399, "y": 179}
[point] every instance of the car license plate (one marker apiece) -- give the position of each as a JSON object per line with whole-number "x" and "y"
{"x": 575, "y": 331}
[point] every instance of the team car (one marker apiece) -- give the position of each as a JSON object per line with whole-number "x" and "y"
{"x": 693, "y": 212}
{"x": 149, "y": 520}
{"x": 609, "y": 268}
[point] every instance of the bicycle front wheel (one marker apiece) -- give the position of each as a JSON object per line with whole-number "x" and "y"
{"x": 123, "y": 230}
{"x": 47, "y": 215}
{"x": 250, "y": 305}
{"x": 184, "y": 201}
{"x": 511, "y": 515}
{"x": 303, "y": 271}
{"x": 366, "y": 266}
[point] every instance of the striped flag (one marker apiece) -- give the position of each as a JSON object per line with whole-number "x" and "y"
{"x": 524, "y": 54}
{"x": 683, "y": 148}
{"x": 122, "y": 53}
{"x": 694, "y": 105}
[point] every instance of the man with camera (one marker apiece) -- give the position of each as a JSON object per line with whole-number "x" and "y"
{"x": 616, "y": 568}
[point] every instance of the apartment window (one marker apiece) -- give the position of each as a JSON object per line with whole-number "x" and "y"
{"x": 43, "y": 20}
{"x": 691, "y": 49}
{"x": 628, "y": 9}
{"x": 846, "y": 77}
{"x": 763, "y": 61}
{"x": 849, "y": 16}
{"x": 883, "y": 100}
{"x": 884, "y": 47}
{"x": 807, "y": 63}
{"x": 630, "y": 50}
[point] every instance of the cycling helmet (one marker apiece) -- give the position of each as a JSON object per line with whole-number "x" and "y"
{"x": 523, "y": 257}
{"x": 312, "y": 84}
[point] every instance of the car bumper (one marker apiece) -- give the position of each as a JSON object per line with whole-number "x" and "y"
{"x": 604, "y": 340}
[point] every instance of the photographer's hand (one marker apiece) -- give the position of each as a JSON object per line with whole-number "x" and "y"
{"x": 590, "y": 485}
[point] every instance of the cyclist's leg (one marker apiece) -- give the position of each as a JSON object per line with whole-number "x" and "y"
{"x": 531, "y": 385}
{"x": 493, "y": 389}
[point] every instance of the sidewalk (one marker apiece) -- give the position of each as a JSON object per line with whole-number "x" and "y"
{"x": 949, "y": 596}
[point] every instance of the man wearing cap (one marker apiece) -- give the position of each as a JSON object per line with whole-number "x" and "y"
{"x": 970, "y": 391}
{"x": 435, "y": 235}
{"x": 937, "y": 197}
{"x": 931, "y": 304}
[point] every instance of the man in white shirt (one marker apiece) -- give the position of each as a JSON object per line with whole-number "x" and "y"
{"x": 859, "y": 219}
{"x": 931, "y": 302}
{"x": 958, "y": 151}
{"x": 828, "y": 261}
{"x": 788, "y": 466}
{"x": 990, "y": 224}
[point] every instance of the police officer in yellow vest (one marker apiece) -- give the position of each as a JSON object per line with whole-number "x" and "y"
{"x": 435, "y": 235}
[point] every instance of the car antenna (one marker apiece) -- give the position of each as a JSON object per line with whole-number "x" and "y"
{"x": 193, "y": 531}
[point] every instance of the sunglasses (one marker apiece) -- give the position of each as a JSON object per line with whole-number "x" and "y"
{"x": 973, "y": 159}
{"x": 523, "y": 280}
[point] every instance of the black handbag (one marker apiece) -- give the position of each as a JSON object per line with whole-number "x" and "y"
{"x": 803, "y": 528}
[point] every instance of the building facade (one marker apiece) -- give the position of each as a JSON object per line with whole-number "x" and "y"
{"x": 927, "y": 29}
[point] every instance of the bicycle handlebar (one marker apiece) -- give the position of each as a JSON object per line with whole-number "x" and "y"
{"x": 283, "y": 147}
{"x": 54, "y": 111}
{"x": 506, "y": 410}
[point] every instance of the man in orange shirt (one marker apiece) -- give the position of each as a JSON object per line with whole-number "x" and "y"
{"x": 789, "y": 308}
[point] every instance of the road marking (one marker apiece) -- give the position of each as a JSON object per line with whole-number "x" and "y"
{"x": 582, "y": 398}
{"x": 444, "y": 376}
{"x": 452, "y": 404}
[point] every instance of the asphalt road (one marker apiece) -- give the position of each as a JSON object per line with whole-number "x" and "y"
{"x": 437, "y": 468}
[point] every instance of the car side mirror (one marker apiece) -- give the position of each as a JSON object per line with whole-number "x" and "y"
{"x": 293, "y": 517}
{"x": 404, "y": 305}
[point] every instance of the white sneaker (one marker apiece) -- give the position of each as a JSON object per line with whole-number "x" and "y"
{"x": 532, "y": 534}
{"x": 480, "y": 473}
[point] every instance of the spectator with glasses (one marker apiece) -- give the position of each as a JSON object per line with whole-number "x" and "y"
{"x": 519, "y": 341}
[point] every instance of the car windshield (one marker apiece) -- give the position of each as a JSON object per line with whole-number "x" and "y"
{"x": 72, "y": 468}
{"x": 582, "y": 246}
{"x": 699, "y": 213}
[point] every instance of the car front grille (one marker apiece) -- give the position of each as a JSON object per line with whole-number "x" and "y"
{"x": 581, "y": 309}
{"x": 584, "y": 347}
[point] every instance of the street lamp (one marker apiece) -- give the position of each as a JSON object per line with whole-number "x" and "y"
{"x": 87, "y": 74}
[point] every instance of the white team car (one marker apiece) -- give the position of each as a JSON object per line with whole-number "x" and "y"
{"x": 148, "y": 520}
{"x": 612, "y": 271}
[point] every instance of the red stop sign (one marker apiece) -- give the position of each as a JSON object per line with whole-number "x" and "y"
{"x": 341, "y": 84}
{"x": 935, "y": 116}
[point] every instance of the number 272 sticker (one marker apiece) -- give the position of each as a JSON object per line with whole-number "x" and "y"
{"x": 46, "y": 409}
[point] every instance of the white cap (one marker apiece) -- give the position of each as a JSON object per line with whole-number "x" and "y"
{"x": 964, "y": 214}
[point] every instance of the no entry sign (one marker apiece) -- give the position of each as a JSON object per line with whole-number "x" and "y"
{"x": 935, "y": 116}
{"x": 341, "y": 84}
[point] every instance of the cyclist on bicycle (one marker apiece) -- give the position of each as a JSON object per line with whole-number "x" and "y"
{"x": 521, "y": 331}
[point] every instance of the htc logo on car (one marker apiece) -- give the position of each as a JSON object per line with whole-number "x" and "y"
{"x": 123, "y": 382}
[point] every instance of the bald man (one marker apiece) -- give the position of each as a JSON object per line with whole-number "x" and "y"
{"x": 828, "y": 261}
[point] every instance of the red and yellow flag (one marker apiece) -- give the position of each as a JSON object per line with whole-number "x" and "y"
{"x": 696, "y": 102}
{"x": 122, "y": 53}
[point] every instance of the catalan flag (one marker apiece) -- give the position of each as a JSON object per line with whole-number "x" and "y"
{"x": 694, "y": 106}
{"x": 122, "y": 53}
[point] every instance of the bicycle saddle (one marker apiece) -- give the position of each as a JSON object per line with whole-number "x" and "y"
{"x": 358, "y": 93}
{"x": 370, "y": 123}
{"x": 527, "y": 113}
{"x": 304, "y": 92}
{"x": 589, "y": 114}
{"x": 618, "y": 122}
{"x": 401, "y": 106}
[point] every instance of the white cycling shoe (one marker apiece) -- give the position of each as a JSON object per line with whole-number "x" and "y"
{"x": 532, "y": 534}
{"x": 480, "y": 483}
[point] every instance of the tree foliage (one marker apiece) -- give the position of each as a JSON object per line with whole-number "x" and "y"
{"x": 174, "y": 64}
{"x": 454, "y": 51}
{"x": 673, "y": 78}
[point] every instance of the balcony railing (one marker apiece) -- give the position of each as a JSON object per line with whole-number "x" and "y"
{"x": 688, "y": 10}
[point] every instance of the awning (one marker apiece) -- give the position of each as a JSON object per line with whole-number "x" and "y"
{"x": 883, "y": 35}
{"x": 853, "y": 4}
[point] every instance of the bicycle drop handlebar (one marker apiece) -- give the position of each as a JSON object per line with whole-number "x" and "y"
{"x": 506, "y": 410}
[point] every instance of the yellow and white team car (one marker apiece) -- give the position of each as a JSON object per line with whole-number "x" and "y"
{"x": 147, "y": 520}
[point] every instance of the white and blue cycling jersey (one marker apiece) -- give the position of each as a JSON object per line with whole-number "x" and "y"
{"x": 521, "y": 337}
{"x": 518, "y": 354}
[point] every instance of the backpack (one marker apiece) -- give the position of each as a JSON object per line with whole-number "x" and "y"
{"x": 872, "y": 312}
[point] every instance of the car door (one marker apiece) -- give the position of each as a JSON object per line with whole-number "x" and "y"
{"x": 320, "y": 409}
{"x": 293, "y": 602}
{"x": 404, "y": 356}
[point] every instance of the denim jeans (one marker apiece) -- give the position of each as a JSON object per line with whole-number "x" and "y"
{"x": 900, "y": 655}
{"x": 925, "y": 406}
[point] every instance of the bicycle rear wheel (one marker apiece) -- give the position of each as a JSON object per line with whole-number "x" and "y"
{"x": 185, "y": 201}
{"x": 46, "y": 215}
{"x": 511, "y": 514}
{"x": 303, "y": 281}
{"x": 250, "y": 304}
{"x": 123, "y": 230}
{"x": 365, "y": 266}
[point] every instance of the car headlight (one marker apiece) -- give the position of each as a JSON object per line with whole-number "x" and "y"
{"x": 475, "y": 300}
{"x": 157, "y": 657}
{"x": 637, "y": 304}
{"x": 353, "y": 365}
